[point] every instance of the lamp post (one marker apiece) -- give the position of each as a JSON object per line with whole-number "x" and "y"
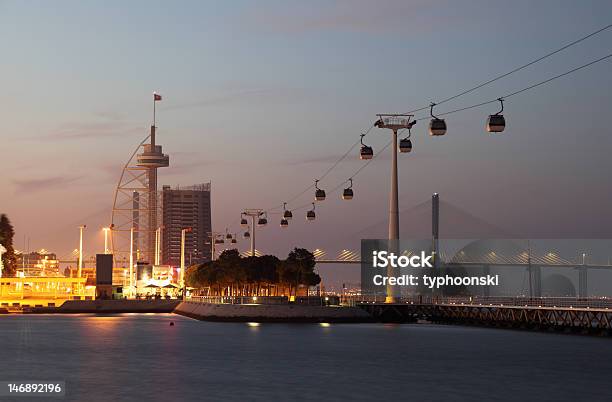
{"x": 182, "y": 277}
{"x": 393, "y": 122}
{"x": 106, "y": 230}
{"x": 157, "y": 245}
{"x": 132, "y": 261}
{"x": 81, "y": 250}
{"x": 213, "y": 239}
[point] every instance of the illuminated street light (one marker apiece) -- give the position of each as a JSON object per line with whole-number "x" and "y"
{"x": 158, "y": 245}
{"x": 132, "y": 261}
{"x": 182, "y": 279}
{"x": 81, "y": 250}
{"x": 106, "y": 230}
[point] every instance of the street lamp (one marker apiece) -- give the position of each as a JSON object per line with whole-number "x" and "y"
{"x": 132, "y": 261}
{"x": 158, "y": 241}
{"x": 213, "y": 240}
{"x": 182, "y": 279}
{"x": 81, "y": 250}
{"x": 106, "y": 230}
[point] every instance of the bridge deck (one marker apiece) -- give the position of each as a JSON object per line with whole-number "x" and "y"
{"x": 562, "y": 319}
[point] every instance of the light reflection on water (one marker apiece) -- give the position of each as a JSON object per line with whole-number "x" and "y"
{"x": 142, "y": 357}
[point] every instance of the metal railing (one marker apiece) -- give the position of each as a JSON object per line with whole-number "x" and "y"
{"x": 552, "y": 302}
{"x": 301, "y": 300}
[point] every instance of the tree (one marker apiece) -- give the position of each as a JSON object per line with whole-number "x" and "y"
{"x": 232, "y": 275}
{"x": 299, "y": 268}
{"x": 6, "y": 239}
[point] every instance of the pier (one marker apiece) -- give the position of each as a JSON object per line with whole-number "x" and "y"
{"x": 536, "y": 314}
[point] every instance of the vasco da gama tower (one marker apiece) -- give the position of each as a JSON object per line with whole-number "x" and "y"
{"x": 135, "y": 217}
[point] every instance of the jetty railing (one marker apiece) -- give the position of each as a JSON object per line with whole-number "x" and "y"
{"x": 256, "y": 300}
{"x": 554, "y": 302}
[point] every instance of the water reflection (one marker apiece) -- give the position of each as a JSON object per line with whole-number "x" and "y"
{"x": 144, "y": 358}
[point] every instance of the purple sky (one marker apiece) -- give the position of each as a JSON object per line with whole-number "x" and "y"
{"x": 261, "y": 97}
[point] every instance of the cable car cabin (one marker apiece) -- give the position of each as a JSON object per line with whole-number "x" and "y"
{"x": 405, "y": 145}
{"x": 319, "y": 195}
{"x": 310, "y": 215}
{"x": 243, "y": 222}
{"x": 234, "y": 241}
{"x": 496, "y": 123}
{"x": 366, "y": 152}
{"x": 228, "y": 236}
{"x": 219, "y": 241}
{"x": 288, "y": 215}
{"x": 437, "y": 127}
{"x": 347, "y": 194}
{"x": 246, "y": 235}
{"x": 284, "y": 223}
{"x": 262, "y": 222}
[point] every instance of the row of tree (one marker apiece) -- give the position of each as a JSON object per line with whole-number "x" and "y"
{"x": 233, "y": 275}
{"x": 6, "y": 240}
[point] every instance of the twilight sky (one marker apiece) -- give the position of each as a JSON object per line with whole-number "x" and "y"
{"x": 261, "y": 97}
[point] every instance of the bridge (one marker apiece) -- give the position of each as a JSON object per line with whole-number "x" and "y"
{"x": 532, "y": 261}
{"x": 566, "y": 315}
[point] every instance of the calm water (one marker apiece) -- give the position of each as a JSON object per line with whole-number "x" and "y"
{"x": 141, "y": 357}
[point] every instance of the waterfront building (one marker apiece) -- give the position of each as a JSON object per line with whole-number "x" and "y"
{"x": 37, "y": 263}
{"x": 186, "y": 207}
{"x": 37, "y": 290}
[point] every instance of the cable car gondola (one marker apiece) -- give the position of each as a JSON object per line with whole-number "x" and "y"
{"x": 284, "y": 223}
{"x": 496, "y": 122}
{"x": 246, "y": 235}
{"x": 366, "y": 152}
{"x": 234, "y": 241}
{"x": 310, "y": 215}
{"x": 262, "y": 221}
{"x": 436, "y": 126}
{"x": 405, "y": 144}
{"x": 319, "y": 193}
{"x": 287, "y": 214}
{"x": 243, "y": 221}
{"x": 347, "y": 194}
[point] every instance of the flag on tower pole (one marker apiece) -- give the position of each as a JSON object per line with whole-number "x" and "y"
{"x": 156, "y": 97}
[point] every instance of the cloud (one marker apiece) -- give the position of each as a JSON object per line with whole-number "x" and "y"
{"x": 36, "y": 185}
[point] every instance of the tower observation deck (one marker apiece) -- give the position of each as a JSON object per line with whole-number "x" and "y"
{"x": 135, "y": 214}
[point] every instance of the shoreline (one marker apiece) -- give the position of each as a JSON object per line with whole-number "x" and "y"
{"x": 285, "y": 313}
{"x": 278, "y": 313}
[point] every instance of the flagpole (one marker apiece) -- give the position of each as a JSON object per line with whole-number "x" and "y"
{"x": 154, "y": 109}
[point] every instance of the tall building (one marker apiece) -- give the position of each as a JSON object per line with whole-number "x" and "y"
{"x": 186, "y": 207}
